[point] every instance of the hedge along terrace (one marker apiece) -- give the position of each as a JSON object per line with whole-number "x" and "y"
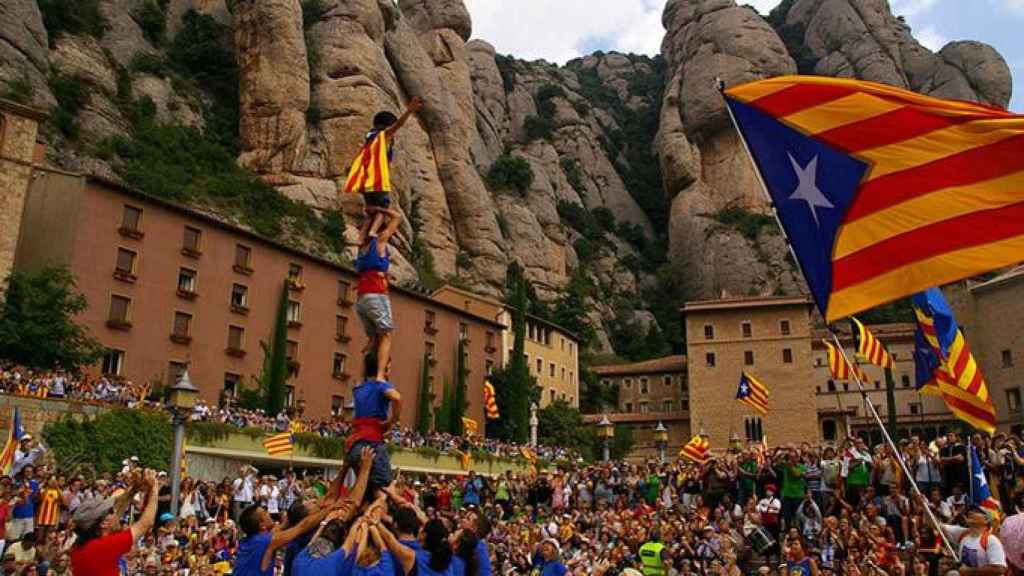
{"x": 99, "y": 445}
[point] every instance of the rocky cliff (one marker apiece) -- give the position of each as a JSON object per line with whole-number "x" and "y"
{"x": 615, "y": 179}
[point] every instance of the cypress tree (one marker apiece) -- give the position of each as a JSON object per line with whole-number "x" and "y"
{"x": 426, "y": 398}
{"x": 519, "y": 380}
{"x": 276, "y": 368}
{"x": 459, "y": 393}
{"x": 443, "y": 414}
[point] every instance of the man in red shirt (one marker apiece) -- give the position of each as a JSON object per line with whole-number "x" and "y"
{"x": 98, "y": 548}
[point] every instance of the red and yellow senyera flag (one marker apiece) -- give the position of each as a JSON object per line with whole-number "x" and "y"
{"x": 370, "y": 170}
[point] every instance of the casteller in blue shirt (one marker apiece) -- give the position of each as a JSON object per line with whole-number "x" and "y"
{"x": 250, "y": 555}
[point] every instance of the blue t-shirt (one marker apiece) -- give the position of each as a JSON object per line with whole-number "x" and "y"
{"x": 543, "y": 568}
{"x": 335, "y": 563}
{"x": 457, "y": 567}
{"x": 293, "y": 549}
{"x": 250, "y": 555}
{"x": 371, "y": 260}
{"x": 413, "y": 545}
{"x": 370, "y": 401}
{"x": 386, "y": 567}
{"x": 483, "y": 559}
{"x": 28, "y": 509}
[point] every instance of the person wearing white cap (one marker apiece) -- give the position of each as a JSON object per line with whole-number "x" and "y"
{"x": 98, "y": 550}
{"x": 546, "y": 561}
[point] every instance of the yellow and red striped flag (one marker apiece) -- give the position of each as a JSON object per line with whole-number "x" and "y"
{"x": 279, "y": 444}
{"x": 753, "y": 393}
{"x": 870, "y": 348}
{"x": 370, "y": 171}
{"x": 883, "y": 192}
{"x": 469, "y": 426}
{"x": 954, "y": 370}
{"x": 490, "y": 402}
{"x": 696, "y": 449}
{"x": 11, "y": 445}
{"x": 838, "y": 366}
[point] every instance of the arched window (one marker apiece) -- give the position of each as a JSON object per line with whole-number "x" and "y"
{"x": 828, "y": 430}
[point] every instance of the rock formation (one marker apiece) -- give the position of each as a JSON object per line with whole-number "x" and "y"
{"x": 628, "y": 154}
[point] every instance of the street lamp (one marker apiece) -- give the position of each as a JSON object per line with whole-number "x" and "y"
{"x": 533, "y": 424}
{"x": 735, "y": 443}
{"x": 180, "y": 403}
{"x": 661, "y": 440}
{"x": 606, "y": 431}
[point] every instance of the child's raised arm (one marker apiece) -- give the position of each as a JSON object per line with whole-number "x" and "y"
{"x": 414, "y": 106}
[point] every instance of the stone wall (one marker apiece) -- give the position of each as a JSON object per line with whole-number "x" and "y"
{"x": 18, "y": 127}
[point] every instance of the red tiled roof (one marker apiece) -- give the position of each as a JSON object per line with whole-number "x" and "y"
{"x": 675, "y": 363}
{"x": 745, "y": 302}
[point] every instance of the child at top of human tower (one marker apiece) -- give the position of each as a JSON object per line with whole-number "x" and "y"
{"x": 370, "y": 175}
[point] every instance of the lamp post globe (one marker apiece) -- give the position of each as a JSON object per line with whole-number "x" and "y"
{"x": 180, "y": 401}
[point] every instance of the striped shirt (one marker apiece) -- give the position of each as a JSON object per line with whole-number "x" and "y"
{"x": 49, "y": 507}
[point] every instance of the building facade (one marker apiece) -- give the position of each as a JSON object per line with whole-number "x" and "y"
{"x": 552, "y": 352}
{"x": 648, "y": 393}
{"x": 841, "y": 408}
{"x": 770, "y": 338}
{"x": 18, "y": 151}
{"x": 170, "y": 287}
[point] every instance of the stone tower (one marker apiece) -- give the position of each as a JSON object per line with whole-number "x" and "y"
{"x": 18, "y": 127}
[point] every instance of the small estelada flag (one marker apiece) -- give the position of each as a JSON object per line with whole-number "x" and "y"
{"x": 752, "y": 393}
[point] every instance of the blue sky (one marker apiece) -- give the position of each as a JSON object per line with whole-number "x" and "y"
{"x": 562, "y": 30}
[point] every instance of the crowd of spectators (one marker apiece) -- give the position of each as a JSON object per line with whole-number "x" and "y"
{"x": 124, "y": 393}
{"x": 795, "y": 509}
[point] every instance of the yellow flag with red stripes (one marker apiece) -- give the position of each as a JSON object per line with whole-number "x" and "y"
{"x": 869, "y": 347}
{"x": 838, "y": 366}
{"x": 490, "y": 402}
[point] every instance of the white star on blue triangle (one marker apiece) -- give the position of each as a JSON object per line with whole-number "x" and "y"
{"x": 807, "y": 189}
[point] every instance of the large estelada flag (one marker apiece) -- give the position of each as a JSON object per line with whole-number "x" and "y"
{"x": 953, "y": 369}
{"x": 883, "y": 192}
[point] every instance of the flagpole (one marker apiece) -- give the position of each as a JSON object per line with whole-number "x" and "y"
{"x": 835, "y": 337}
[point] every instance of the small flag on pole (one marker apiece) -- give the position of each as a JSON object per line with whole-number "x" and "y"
{"x": 469, "y": 426}
{"x": 980, "y": 490}
{"x": 752, "y": 393}
{"x": 279, "y": 444}
{"x": 838, "y": 366}
{"x": 13, "y": 437}
{"x": 490, "y": 401}
{"x": 696, "y": 449}
{"x": 952, "y": 366}
{"x": 870, "y": 348}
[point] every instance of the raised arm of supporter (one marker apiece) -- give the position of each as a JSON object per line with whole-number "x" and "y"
{"x": 403, "y": 503}
{"x": 358, "y": 493}
{"x": 402, "y": 553}
{"x": 148, "y": 516}
{"x": 356, "y": 537}
{"x": 281, "y": 537}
